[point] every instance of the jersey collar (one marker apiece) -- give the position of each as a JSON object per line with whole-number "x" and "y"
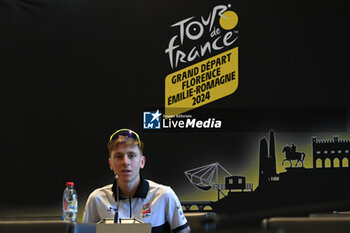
{"x": 141, "y": 190}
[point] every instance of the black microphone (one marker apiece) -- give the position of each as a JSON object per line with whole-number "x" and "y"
{"x": 116, "y": 214}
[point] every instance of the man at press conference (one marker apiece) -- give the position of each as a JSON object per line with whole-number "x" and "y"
{"x": 132, "y": 196}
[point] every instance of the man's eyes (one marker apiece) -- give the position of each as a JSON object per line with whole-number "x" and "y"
{"x": 130, "y": 156}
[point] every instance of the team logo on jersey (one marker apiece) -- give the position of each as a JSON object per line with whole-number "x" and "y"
{"x": 146, "y": 210}
{"x": 111, "y": 209}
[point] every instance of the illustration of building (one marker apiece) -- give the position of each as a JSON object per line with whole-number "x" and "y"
{"x": 267, "y": 157}
{"x": 331, "y": 153}
{"x": 312, "y": 189}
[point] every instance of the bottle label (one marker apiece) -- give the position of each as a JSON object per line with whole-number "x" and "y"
{"x": 70, "y": 205}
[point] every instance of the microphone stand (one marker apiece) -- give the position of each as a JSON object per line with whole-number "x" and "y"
{"x": 116, "y": 214}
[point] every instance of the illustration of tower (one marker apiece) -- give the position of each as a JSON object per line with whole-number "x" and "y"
{"x": 267, "y": 160}
{"x": 263, "y": 153}
{"x": 272, "y": 157}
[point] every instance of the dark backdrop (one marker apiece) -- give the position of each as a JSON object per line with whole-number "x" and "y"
{"x": 72, "y": 72}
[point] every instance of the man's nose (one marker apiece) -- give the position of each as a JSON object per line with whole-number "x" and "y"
{"x": 126, "y": 160}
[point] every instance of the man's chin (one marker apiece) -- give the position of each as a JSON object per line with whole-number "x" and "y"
{"x": 126, "y": 178}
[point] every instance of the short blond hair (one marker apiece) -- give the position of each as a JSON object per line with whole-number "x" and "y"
{"x": 126, "y": 141}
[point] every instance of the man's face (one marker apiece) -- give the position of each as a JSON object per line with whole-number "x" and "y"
{"x": 126, "y": 161}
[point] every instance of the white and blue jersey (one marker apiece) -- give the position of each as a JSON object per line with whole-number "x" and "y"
{"x": 152, "y": 203}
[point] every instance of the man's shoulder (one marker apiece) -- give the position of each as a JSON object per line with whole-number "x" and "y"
{"x": 160, "y": 188}
{"x": 103, "y": 191}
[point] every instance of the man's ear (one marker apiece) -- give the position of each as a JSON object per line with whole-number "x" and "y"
{"x": 110, "y": 163}
{"x": 143, "y": 161}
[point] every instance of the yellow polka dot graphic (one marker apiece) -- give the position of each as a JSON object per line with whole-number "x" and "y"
{"x": 228, "y": 20}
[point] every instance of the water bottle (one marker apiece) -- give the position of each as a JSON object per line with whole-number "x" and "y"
{"x": 70, "y": 203}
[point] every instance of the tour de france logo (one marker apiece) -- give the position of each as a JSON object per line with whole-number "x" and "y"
{"x": 203, "y": 80}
